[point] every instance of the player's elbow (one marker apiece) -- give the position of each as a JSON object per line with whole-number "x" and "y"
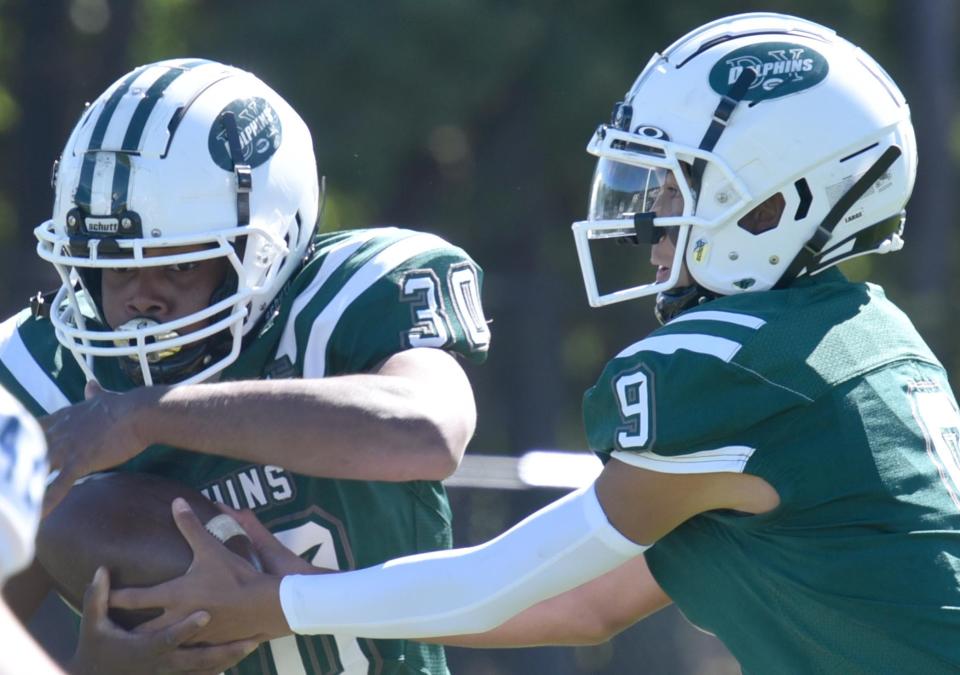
{"x": 445, "y": 465}
{"x": 443, "y": 438}
{"x": 434, "y": 448}
{"x": 441, "y": 451}
{"x": 438, "y": 415}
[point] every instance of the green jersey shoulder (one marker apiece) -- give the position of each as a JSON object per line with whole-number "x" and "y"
{"x": 825, "y": 391}
{"x": 360, "y": 297}
{"x": 35, "y": 368}
{"x": 681, "y": 399}
{"x": 366, "y": 294}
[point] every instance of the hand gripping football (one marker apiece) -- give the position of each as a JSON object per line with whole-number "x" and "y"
{"x": 123, "y": 522}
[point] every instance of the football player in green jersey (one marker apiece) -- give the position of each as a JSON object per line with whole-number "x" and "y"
{"x": 314, "y": 379}
{"x": 782, "y": 456}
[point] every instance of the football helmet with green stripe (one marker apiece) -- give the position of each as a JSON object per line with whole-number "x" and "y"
{"x": 789, "y": 147}
{"x": 177, "y": 162}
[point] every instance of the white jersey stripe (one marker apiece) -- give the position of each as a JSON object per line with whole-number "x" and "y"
{"x": 726, "y": 317}
{"x": 352, "y": 659}
{"x": 332, "y": 261}
{"x": 315, "y": 355}
{"x": 722, "y": 348}
{"x": 731, "y": 458}
{"x": 286, "y": 656}
{"x": 17, "y": 359}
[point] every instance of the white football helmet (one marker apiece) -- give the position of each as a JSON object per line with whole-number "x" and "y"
{"x": 741, "y": 110}
{"x": 185, "y": 152}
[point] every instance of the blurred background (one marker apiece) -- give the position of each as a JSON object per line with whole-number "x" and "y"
{"x": 469, "y": 118}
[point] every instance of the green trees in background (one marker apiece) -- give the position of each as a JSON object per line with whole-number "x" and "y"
{"x": 468, "y": 118}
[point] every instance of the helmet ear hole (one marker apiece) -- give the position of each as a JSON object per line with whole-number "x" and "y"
{"x": 765, "y": 216}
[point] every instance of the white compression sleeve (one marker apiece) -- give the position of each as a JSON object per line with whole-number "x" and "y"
{"x": 468, "y": 590}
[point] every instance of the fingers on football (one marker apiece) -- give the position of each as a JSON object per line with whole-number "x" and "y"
{"x": 171, "y": 642}
{"x": 96, "y": 596}
{"x": 151, "y": 597}
{"x": 191, "y": 528}
{"x": 177, "y": 634}
{"x": 258, "y": 533}
{"x": 229, "y": 510}
{"x": 158, "y": 629}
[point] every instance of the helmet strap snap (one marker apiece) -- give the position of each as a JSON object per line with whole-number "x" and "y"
{"x": 241, "y": 171}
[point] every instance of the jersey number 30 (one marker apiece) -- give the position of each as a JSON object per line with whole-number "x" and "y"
{"x": 432, "y": 327}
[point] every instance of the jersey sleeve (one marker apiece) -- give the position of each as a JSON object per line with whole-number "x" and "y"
{"x": 680, "y": 401}
{"x": 396, "y": 290}
{"x": 23, "y": 470}
{"x": 34, "y": 368}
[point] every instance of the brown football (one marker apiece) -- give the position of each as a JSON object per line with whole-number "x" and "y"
{"x": 123, "y": 521}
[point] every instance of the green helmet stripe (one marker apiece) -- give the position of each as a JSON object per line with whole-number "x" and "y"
{"x": 121, "y": 183}
{"x": 134, "y": 133}
{"x": 131, "y": 140}
{"x": 82, "y": 198}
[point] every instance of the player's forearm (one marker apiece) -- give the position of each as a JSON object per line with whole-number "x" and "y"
{"x": 465, "y": 590}
{"x": 589, "y": 614}
{"x": 545, "y": 624}
{"x": 368, "y": 427}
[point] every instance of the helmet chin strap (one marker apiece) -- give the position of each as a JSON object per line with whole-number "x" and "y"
{"x": 674, "y": 302}
{"x": 721, "y": 117}
{"x": 170, "y": 369}
{"x": 809, "y": 256}
{"x": 181, "y": 363}
{"x": 241, "y": 170}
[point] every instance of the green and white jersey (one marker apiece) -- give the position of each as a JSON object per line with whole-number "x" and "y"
{"x": 362, "y": 296}
{"x": 826, "y": 391}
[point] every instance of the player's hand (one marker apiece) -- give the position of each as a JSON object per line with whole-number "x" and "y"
{"x": 243, "y": 604}
{"x": 107, "y": 649}
{"x": 276, "y": 558}
{"x": 96, "y": 434}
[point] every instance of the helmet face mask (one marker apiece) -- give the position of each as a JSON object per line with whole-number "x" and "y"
{"x": 630, "y": 173}
{"x": 812, "y": 116}
{"x": 148, "y": 179}
{"x": 148, "y": 349}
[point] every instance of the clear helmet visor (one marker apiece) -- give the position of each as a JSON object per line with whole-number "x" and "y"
{"x": 631, "y": 237}
{"x": 621, "y": 190}
{"x": 642, "y": 194}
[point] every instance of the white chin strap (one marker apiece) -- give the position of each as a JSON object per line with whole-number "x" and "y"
{"x": 468, "y": 590}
